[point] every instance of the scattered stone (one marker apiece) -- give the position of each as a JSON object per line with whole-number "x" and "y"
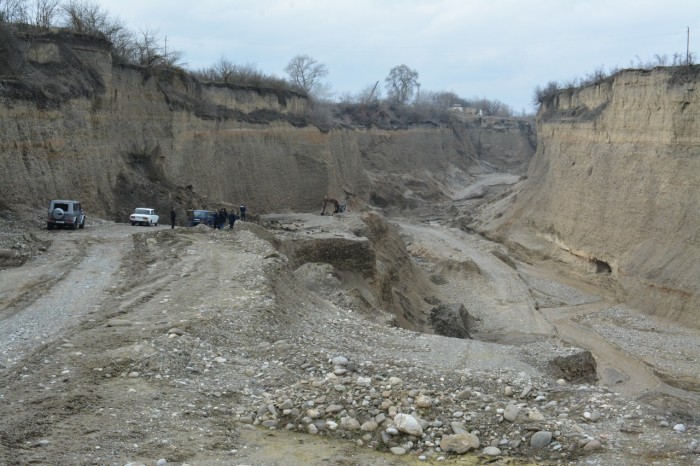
{"x": 592, "y": 445}
{"x": 464, "y": 395}
{"x": 395, "y": 381}
{"x": 176, "y": 331}
{"x": 408, "y": 424}
{"x": 459, "y": 443}
{"x": 340, "y": 361}
{"x": 458, "y": 427}
{"x": 349, "y": 423}
{"x": 369, "y": 426}
{"x": 287, "y": 404}
{"x": 679, "y": 427}
{"x": 424, "y": 402}
{"x": 541, "y": 439}
{"x": 332, "y": 409}
{"x": 492, "y": 451}
{"x": 535, "y": 415}
{"x": 526, "y": 391}
{"x": 364, "y": 381}
{"x": 511, "y": 413}
{"x": 398, "y": 450}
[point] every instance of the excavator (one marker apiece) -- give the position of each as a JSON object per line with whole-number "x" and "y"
{"x": 337, "y": 206}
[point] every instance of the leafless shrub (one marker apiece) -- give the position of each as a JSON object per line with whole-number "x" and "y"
{"x": 85, "y": 17}
{"x": 241, "y": 75}
{"x": 45, "y": 12}
{"x": 490, "y": 107}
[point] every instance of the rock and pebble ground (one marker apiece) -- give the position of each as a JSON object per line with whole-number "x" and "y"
{"x": 196, "y": 346}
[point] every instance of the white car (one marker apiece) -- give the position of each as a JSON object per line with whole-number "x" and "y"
{"x": 144, "y": 216}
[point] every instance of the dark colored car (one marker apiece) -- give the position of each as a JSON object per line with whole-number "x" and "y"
{"x": 206, "y": 217}
{"x": 65, "y": 214}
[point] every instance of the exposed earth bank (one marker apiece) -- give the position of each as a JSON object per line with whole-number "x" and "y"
{"x": 129, "y": 345}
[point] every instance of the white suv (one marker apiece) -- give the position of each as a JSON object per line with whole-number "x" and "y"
{"x": 64, "y": 213}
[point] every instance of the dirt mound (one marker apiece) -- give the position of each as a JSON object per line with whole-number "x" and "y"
{"x": 452, "y": 320}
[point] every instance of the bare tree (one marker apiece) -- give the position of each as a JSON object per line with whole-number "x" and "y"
{"x": 306, "y": 73}
{"x": 542, "y": 94}
{"x": 223, "y": 70}
{"x": 401, "y": 84}
{"x": 13, "y": 11}
{"x": 123, "y": 43}
{"x": 148, "y": 52}
{"x": 45, "y": 12}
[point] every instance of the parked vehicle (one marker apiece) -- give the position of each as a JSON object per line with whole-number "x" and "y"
{"x": 65, "y": 214}
{"x": 144, "y": 216}
{"x": 206, "y": 217}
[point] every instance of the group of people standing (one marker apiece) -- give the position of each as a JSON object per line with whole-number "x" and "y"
{"x": 222, "y": 216}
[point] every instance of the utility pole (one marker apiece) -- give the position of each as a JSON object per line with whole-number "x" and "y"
{"x": 369, "y": 99}
{"x": 687, "y": 48}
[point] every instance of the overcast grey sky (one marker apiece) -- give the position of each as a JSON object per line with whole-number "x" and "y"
{"x": 498, "y": 49}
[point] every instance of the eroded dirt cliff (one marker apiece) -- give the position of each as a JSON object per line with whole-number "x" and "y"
{"x": 613, "y": 189}
{"x": 129, "y": 136}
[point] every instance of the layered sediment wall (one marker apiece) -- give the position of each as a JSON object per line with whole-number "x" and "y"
{"x": 614, "y": 182}
{"x": 116, "y": 136}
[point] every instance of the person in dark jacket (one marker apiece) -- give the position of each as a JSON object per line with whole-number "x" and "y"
{"x": 223, "y": 216}
{"x": 232, "y": 217}
{"x": 173, "y": 217}
{"x": 242, "y": 210}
